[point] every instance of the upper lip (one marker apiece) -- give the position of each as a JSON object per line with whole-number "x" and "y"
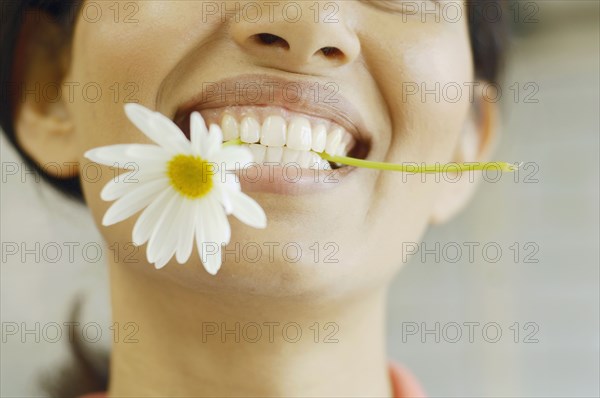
{"x": 310, "y": 99}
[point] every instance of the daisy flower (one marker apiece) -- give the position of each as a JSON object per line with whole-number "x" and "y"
{"x": 185, "y": 188}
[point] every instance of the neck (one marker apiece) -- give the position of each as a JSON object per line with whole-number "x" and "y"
{"x": 196, "y": 344}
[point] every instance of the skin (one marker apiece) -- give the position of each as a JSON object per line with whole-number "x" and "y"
{"x": 171, "y": 52}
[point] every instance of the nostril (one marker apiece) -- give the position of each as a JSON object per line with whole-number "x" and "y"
{"x": 267, "y": 38}
{"x": 332, "y": 52}
{"x": 271, "y": 40}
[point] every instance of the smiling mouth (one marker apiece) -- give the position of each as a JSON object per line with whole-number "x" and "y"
{"x": 278, "y": 136}
{"x": 277, "y": 130}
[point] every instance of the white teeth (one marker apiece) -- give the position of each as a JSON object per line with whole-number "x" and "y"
{"x": 273, "y": 131}
{"x": 249, "y": 130}
{"x": 299, "y": 134}
{"x": 285, "y": 143}
{"x": 319, "y": 138}
{"x": 258, "y": 152}
{"x": 290, "y": 155}
{"x": 282, "y": 156}
{"x": 230, "y": 127}
{"x": 324, "y": 165}
{"x": 315, "y": 161}
{"x": 304, "y": 159}
{"x": 334, "y": 139}
{"x": 274, "y": 154}
{"x": 342, "y": 149}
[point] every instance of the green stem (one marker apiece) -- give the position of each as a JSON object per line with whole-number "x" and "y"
{"x": 409, "y": 167}
{"x": 416, "y": 168}
{"x": 237, "y": 141}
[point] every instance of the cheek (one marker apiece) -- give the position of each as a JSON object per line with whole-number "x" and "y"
{"x": 112, "y": 64}
{"x": 116, "y": 63}
{"x": 434, "y": 99}
{"x": 426, "y": 86}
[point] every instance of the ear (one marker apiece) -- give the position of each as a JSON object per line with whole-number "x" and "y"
{"x": 475, "y": 145}
{"x": 42, "y": 124}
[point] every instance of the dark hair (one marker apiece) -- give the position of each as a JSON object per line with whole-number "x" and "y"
{"x": 488, "y": 39}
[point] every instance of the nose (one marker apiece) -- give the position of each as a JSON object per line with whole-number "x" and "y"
{"x": 301, "y": 37}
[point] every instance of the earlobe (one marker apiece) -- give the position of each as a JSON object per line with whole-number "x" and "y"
{"x": 475, "y": 145}
{"x": 48, "y": 140}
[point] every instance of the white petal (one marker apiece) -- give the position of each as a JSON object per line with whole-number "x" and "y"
{"x": 222, "y": 223}
{"x": 165, "y": 249}
{"x": 247, "y": 210}
{"x": 146, "y": 151}
{"x": 198, "y": 132}
{"x": 133, "y": 202}
{"x": 142, "y": 117}
{"x": 213, "y": 141}
{"x": 232, "y": 184}
{"x": 216, "y": 225}
{"x": 170, "y": 241}
{"x": 127, "y": 182}
{"x": 166, "y": 255}
{"x": 145, "y": 224}
{"x": 169, "y": 128}
{"x": 212, "y": 262}
{"x": 199, "y": 227}
{"x": 118, "y": 186}
{"x": 129, "y": 156}
{"x": 209, "y": 249}
{"x": 232, "y": 157}
{"x": 147, "y": 166}
{"x": 158, "y": 241}
{"x": 110, "y": 155}
{"x": 150, "y": 123}
{"x": 223, "y": 196}
{"x": 228, "y": 177}
{"x": 186, "y": 232}
{"x": 158, "y": 264}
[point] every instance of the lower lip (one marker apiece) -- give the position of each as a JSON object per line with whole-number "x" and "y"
{"x": 290, "y": 180}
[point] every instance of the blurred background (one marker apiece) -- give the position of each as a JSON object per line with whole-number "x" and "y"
{"x": 550, "y": 285}
{"x": 515, "y": 316}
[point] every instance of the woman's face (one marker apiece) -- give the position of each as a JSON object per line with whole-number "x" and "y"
{"x": 334, "y": 237}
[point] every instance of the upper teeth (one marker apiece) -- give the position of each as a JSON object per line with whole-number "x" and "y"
{"x": 278, "y": 140}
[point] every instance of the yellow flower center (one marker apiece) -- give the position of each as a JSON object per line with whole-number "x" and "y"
{"x": 190, "y": 175}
